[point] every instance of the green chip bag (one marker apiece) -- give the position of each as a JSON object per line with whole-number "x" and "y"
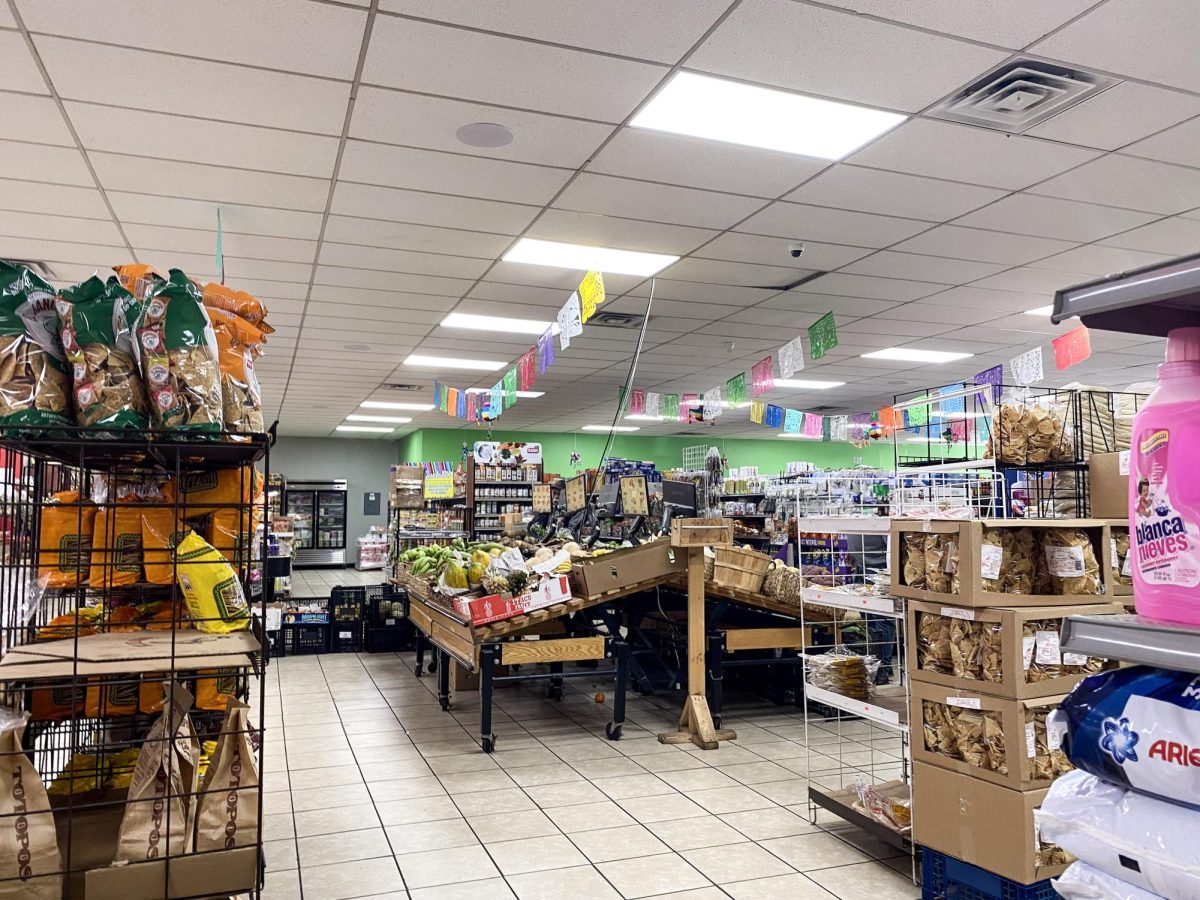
{"x": 34, "y": 384}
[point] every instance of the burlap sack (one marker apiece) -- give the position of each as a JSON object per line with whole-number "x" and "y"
{"x": 227, "y": 816}
{"x": 28, "y": 842}
{"x": 160, "y": 815}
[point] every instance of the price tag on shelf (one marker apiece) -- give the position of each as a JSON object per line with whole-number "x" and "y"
{"x": 965, "y": 702}
{"x": 957, "y": 612}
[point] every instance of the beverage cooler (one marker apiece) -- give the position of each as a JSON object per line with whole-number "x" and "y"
{"x": 319, "y": 511}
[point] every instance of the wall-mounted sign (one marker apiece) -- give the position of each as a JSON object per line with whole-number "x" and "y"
{"x": 439, "y": 487}
{"x": 507, "y": 453}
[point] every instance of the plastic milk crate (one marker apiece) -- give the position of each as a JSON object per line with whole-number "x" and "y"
{"x": 946, "y": 878}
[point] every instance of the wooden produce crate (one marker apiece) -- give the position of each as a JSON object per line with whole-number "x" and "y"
{"x": 599, "y": 575}
{"x": 998, "y": 748}
{"x": 971, "y": 571}
{"x": 1008, "y": 652}
{"x": 701, "y": 532}
{"x": 741, "y": 569}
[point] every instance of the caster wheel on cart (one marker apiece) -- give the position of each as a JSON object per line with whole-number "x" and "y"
{"x": 613, "y": 732}
{"x": 555, "y": 692}
{"x": 444, "y": 704}
{"x": 432, "y": 667}
{"x": 489, "y": 743}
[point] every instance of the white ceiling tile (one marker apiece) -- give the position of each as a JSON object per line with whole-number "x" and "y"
{"x": 986, "y": 299}
{"x": 153, "y": 176}
{"x": 1120, "y": 115}
{"x": 424, "y": 208}
{"x": 36, "y": 162}
{"x": 927, "y": 312}
{"x": 704, "y": 293}
{"x": 893, "y": 194}
{"x": 147, "y": 209}
{"x": 18, "y": 71}
{"x": 470, "y": 176}
{"x": 805, "y": 48}
{"x": 984, "y": 246}
{"x": 699, "y": 163}
{"x": 770, "y": 251}
{"x": 202, "y": 266}
{"x": 682, "y": 315}
{"x": 396, "y": 298}
{"x": 891, "y": 264}
{"x": 335, "y": 276}
{"x": 416, "y": 120}
{"x": 661, "y": 31}
{"x": 609, "y": 231}
{"x": 6, "y": 18}
{"x": 507, "y": 293}
{"x": 1023, "y": 21}
{"x": 261, "y": 287}
{"x": 101, "y": 73}
{"x": 1032, "y": 281}
{"x": 835, "y": 226}
{"x": 411, "y": 261}
{"x": 869, "y": 287}
{"x": 204, "y": 240}
{"x": 405, "y": 236}
{"x": 1175, "y": 145}
{"x": 813, "y": 306}
{"x": 654, "y": 202}
{"x": 56, "y": 199}
{"x": 316, "y": 38}
{"x": 1118, "y": 180}
{"x": 194, "y": 140}
{"x": 1054, "y": 218}
{"x": 59, "y": 228}
{"x": 413, "y": 55}
{"x": 1148, "y": 39}
{"x": 735, "y": 273}
{"x": 88, "y": 256}
{"x": 966, "y": 153}
{"x": 32, "y": 119}
{"x": 553, "y": 277}
{"x": 908, "y": 328}
{"x": 1175, "y": 236}
{"x": 1098, "y": 260}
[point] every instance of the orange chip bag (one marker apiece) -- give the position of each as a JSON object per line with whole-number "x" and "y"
{"x": 215, "y": 688}
{"x": 66, "y": 540}
{"x": 59, "y": 701}
{"x": 237, "y": 347}
{"x": 117, "y": 546}
{"x": 229, "y": 533}
{"x": 111, "y": 697}
{"x": 161, "y": 533}
{"x": 199, "y": 491}
{"x": 241, "y": 304}
{"x": 150, "y": 692}
{"x": 135, "y": 278}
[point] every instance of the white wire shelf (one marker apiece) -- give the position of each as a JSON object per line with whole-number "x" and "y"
{"x": 889, "y": 706}
{"x": 844, "y": 524}
{"x": 878, "y": 604}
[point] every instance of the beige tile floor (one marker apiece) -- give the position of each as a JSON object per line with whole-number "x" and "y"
{"x": 374, "y": 791}
{"x": 315, "y": 583}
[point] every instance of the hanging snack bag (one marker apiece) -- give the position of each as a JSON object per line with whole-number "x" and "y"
{"x": 34, "y": 385}
{"x": 161, "y": 533}
{"x": 160, "y": 809}
{"x": 178, "y": 355}
{"x": 111, "y": 697}
{"x": 228, "y": 532}
{"x": 61, "y": 700}
{"x": 239, "y": 303}
{"x": 215, "y": 688}
{"x": 237, "y": 347}
{"x": 29, "y": 860}
{"x": 207, "y": 491}
{"x": 211, "y": 588}
{"x": 64, "y": 557}
{"x": 97, "y": 321}
{"x": 228, "y": 804}
{"x": 137, "y": 279}
{"x": 117, "y": 546}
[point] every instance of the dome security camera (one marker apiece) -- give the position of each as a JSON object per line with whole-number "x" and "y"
{"x": 796, "y": 250}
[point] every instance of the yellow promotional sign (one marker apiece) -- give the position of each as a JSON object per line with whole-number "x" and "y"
{"x": 439, "y": 487}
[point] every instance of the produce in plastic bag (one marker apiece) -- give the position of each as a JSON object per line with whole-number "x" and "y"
{"x": 1084, "y": 882}
{"x": 64, "y": 555}
{"x": 29, "y": 856}
{"x": 34, "y": 384}
{"x": 178, "y": 356}
{"x": 227, "y": 816}
{"x": 97, "y": 320}
{"x": 892, "y": 806}
{"x": 843, "y": 672}
{"x": 1068, "y": 562}
{"x": 1148, "y": 843}
{"x": 237, "y": 347}
{"x": 210, "y": 586}
{"x": 1137, "y": 727}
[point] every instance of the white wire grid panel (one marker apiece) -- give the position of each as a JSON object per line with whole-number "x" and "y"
{"x": 972, "y": 493}
{"x": 693, "y": 457}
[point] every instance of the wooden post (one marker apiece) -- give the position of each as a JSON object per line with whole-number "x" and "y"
{"x": 695, "y": 722}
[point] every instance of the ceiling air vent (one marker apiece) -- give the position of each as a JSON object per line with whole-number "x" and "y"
{"x": 404, "y": 387}
{"x": 1017, "y": 95}
{"x": 617, "y": 320}
{"x": 825, "y": 408}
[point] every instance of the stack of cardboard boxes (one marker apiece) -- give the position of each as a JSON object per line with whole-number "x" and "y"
{"x": 987, "y": 600}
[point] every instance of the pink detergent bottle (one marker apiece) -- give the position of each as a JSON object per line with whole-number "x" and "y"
{"x": 1164, "y": 488}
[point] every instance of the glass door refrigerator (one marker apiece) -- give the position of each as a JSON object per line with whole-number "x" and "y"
{"x": 319, "y": 508}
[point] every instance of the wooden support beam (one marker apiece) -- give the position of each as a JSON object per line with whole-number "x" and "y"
{"x": 767, "y": 638}
{"x": 564, "y": 650}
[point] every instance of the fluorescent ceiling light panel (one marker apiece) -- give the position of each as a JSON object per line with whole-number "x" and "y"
{"x": 497, "y": 323}
{"x": 395, "y": 420}
{"x": 806, "y": 384}
{"x": 452, "y": 362}
{"x": 610, "y": 427}
{"x": 578, "y": 256}
{"x": 1040, "y": 311}
{"x": 524, "y": 395}
{"x": 721, "y": 110}
{"x": 374, "y": 429}
{"x": 911, "y": 354}
{"x": 640, "y": 418}
{"x": 387, "y": 404}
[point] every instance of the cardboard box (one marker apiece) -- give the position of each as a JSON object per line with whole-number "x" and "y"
{"x": 967, "y": 535}
{"x": 1021, "y": 655}
{"x": 980, "y": 823}
{"x": 1014, "y": 728}
{"x": 1116, "y": 588}
{"x": 495, "y": 608}
{"x": 623, "y": 568}
{"x": 1108, "y": 485}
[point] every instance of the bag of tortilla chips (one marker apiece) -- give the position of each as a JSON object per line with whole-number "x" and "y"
{"x": 34, "y": 385}
{"x": 211, "y": 588}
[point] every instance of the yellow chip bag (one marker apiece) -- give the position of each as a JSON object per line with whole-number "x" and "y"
{"x": 210, "y": 587}
{"x": 215, "y": 688}
{"x": 66, "y": 540}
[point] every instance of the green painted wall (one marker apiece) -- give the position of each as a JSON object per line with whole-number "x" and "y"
{"x": 770, "y": 456}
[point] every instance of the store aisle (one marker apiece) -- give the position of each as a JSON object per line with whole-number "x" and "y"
{"x": 374, "y": 791}
{"x": 308, "y": 584}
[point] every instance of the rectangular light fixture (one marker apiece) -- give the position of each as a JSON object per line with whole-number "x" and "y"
{"x": 911, "y": 354}
{"x": 806, "y": 384}
{"x": 580, "y": 256}
{"x": 454, "y": 362}
{"x": 374, "y": 429}
{"x": 502, "y": 324}
{"x": 1041, "y": 311}
{"x": 610, "y": 428}
{"x": 387, "y": 404}
{"x": 395, "y": 420}
{"x": 721, "y": 110}
{"x": 523, "y": 395}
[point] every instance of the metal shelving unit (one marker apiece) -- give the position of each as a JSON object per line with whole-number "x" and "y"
{"x": 1135, "y": 639}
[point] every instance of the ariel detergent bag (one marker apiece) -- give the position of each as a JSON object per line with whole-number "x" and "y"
{"x": 1138, "y": 728}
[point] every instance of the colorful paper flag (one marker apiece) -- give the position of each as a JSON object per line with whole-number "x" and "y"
{"x": 510, "y": 387}
{"x": 762, "y": 376}
{"x": 822, "y": 336}
{"x": 686, "y": 403}
{"x": 839, "y": 428}
{"x": 735, "y": 389}
{"x": 714, "y": 403}
{"x": 791, "y": 357}
{"x": 591, "y": 294}
{"x": 460, "y": 405}
{"x": 496, "y": 401}
{"x": 670, "y": 406}
{"x": 993, "y": 376}
{"x": 792, "y": 420}
{"x": 570, "y": 322}
{"x": 757, "y": 408}
{"x": 1073, "y": 347}
{"x": 774, "y": 417}
{"x": 954, "y": 404}
{"x": 637, "y": 403}
{"x": 452, "y": 401}
{"x": 472, "y": 407}
{"x": 545, "y": 348}
{"x": 653, "y": 404}
{"x": 813, "y": 425}
{"x": 437, "y": 395}
{"x": 1027, "y": 368}
{"x": 525, "y": 367}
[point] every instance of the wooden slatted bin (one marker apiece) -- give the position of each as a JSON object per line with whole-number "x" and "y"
{"x": 701, "y": 532}
{"x": 741, "y": 569}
